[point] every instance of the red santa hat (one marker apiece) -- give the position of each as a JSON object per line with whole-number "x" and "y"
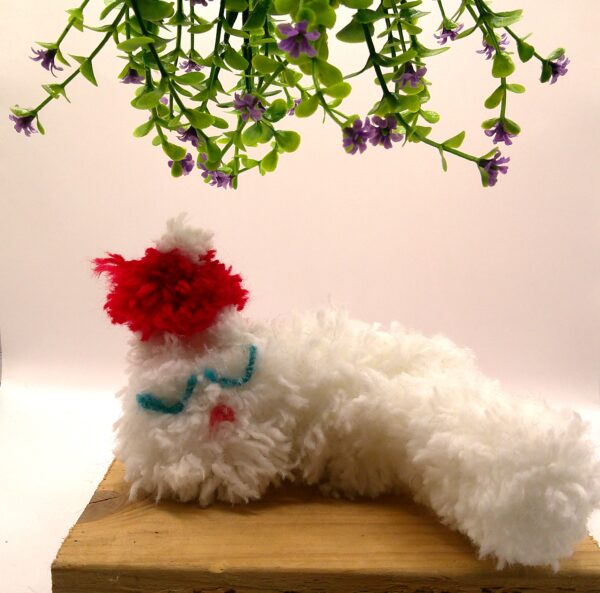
{"x": 178, "y": 287}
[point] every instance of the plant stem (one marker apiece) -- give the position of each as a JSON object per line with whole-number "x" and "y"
{"x": 319, "y": 94}
{"x": 494, "y": 40}
{"x": 192, "y": 19}
{"x": 94, "y": 53}
{"x": 69, "y": 25}
{"x": 159, "y": 64}
{"x": 409, "y": 129}
{"x": 214, "y": 69}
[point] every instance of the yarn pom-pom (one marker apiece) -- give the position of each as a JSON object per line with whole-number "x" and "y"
{"x": 168, "y": 292}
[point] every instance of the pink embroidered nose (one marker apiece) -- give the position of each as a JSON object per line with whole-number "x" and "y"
{"x": 221, "y": 413}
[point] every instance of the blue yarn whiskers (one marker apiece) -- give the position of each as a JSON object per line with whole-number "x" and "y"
{"x": 148, "y": 401}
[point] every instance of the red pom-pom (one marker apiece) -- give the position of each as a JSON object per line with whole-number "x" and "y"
{"x": 169, "y": 292}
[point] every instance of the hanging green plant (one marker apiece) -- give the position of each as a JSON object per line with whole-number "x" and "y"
{"x": 224, "y": 112}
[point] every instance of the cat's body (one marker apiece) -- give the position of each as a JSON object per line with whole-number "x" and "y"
{"x": 360, "y": 411}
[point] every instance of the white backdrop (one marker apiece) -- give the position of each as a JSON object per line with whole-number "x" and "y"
{"x": 511, "y": 272}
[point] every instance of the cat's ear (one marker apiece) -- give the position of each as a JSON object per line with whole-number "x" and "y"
{"x": 192, "y": 241}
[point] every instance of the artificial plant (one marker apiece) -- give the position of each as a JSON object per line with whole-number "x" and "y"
{"x": 221, "y": 106}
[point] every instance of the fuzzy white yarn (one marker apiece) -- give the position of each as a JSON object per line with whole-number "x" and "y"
{"x": 359, "y": 411}
{"x": 362, "y": 411}
{"x": 180, "y": 235}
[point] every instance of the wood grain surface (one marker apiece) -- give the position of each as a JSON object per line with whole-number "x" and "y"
{"x": 293, "y": 541}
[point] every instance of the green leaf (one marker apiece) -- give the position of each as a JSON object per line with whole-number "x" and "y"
{"x": 324, "y": 13}
{"x": 504, "y": 19}
{"x": 61, "y": 58}
{"x": 512, "y": 127}
{"x": 220, "y": 123}
{"x": 236, "y": 5}
{"x": 515, "y": 88}
{"x": 495, "y": 98}
{"x": 328, "y": 74}
{"x": 556, "y": 54}
{"x": 269, "y": 162}
{"x": 525, "y": 50}
{"x": 489, "y": 123}
{"x": 213, "y": 153}
{"x": 173, "y": 151}
{"x": 277, "y": 110}
{"x": 425, "y": 52}
{"x": 131, "y": 44}
{"x": 20, "y": 111}
{"x": 257, "y": 17}
{"x": 56, "y": 90}
{"x": 353, "y": 32}
{"x": 177, "y": 169}
{"x": 264, "y": 65}
{"x": 110, "y": 7}
{"x": 546, "y": 71}
{"x": 485, "y": 177}
{"x": 234, "y": 59}
{"x": 288, "y": 141}
{"x": 190, "y": 78}
{"x": 46, "y": 45}
{"x": 251, "y": 135}
{"x": 307, "y": 106}
{"x": 87, "y": 71}
{"x": 366, "y": 16}
{"x": 444, "y": 162}
{"x": 144, "y": 129}
{"x": 357, "y": 4}
{"x": 40, "y": 127}
{"x": 200, "y": 28}
{"x": 148, "y": 99}
{"x": 155, "y": 10}
{"x": 455, "y": 141}
{"x": 410, "y": 103}
{"x": 199, "y": 119}
{"x": 503, "y": 65}
{"x": 431, "y": 117}
{"x": 339, "y": 90}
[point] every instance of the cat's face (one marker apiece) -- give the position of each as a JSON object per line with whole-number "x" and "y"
{"x": 188, "y": 437}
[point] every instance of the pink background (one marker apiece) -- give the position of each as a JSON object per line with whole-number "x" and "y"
{"x": 511, "y": 272}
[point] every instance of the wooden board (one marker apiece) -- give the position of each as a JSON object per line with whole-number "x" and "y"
{"x": 294, "y": 540}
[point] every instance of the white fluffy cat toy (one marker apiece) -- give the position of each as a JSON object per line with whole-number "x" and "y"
{"x": 219, "y": 407}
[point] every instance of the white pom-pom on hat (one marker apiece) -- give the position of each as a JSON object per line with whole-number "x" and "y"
{"x": 188, "y": 239}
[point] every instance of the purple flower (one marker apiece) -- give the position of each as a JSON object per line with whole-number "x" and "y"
{"x": 493, "y": 166}
{"x": 132, "y": 77}
{"x": 448, "y": 34}
{"x": 559, "y": 68}
{"x": 293, "y": 109}
{"x": 164, "y": 100}
{"x": 297, "y": 39}
{"x": 190, "y": 66}
{"x": 187, "y": 164}
{"x": 355, "y": 137}
{"x": 216, "y": 178}
{"x": 410, "y": 76}
{"x": 23, "y": 124}
{"x": 189, "y": 135}
{"x": 46, "y": 57}
{"x": 382, "y": 132}
{"x": 489, "y": 50}
{"x": 500, "y": 134}
{"x": 248, "y": 106}
{"x": 196, "y": 2}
